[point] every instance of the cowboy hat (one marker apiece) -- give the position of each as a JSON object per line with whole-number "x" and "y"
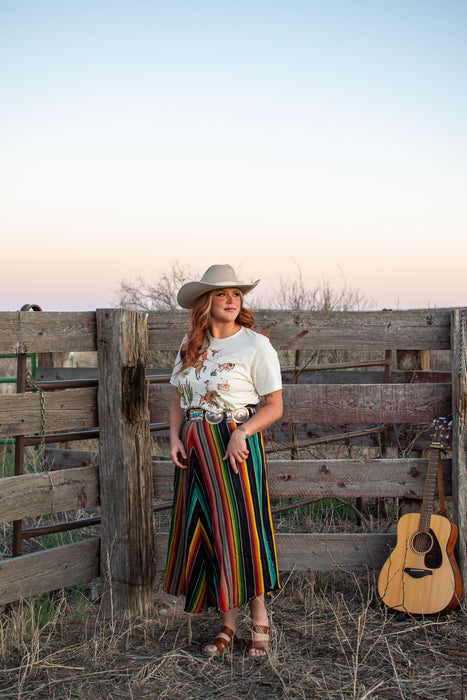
{"x": 215, "y": 277}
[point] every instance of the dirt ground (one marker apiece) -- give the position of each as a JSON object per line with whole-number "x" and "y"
{"x": 332, "y": 639}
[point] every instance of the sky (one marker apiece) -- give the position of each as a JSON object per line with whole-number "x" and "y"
{"x": 326, "y": 136}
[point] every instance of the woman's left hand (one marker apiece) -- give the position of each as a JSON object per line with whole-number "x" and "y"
{"x": 270, "y": 411}
{"x": 237, "y": 451}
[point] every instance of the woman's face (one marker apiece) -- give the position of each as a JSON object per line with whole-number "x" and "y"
{"x": 226, "y": 304}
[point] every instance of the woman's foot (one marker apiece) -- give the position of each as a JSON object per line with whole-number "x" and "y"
{"x": 224, "y": 643}
{"x": 260, "y": 644}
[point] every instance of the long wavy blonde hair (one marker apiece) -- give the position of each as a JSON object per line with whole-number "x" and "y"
{"x": 199, "y": 322}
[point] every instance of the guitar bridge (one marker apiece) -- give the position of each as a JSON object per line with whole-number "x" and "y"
{"x": 417, "y": 573}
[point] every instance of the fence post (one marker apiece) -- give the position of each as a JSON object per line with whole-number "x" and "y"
{"x": 126, "y": 483}
{"x": 459, "y": 434}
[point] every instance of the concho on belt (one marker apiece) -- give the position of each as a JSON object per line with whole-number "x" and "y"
{"x": 238, "y": 415}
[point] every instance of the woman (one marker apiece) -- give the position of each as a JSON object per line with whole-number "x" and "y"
{"x": 221, "y": 549}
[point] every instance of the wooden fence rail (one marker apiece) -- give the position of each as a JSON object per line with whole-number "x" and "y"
{"x": 72, "y": 409}
{"x": 382, "y": 330}
{"x": 58, "y": 491}
{"x": 342, "y": 330}
{"x": 122, "y": 479}
{"x": 75, "y": 409}
{"x": 344, "y": 403}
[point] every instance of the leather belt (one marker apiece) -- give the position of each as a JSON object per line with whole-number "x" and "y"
{"x": 237, "y": 415}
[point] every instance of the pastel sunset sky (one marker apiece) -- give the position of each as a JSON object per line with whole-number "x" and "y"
{"x": 331, "y": 134}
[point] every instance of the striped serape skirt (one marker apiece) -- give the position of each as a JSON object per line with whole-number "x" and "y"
{"x": 222, "y": 551}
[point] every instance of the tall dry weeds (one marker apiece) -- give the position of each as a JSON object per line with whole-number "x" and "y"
{"x": 332, "y": 639}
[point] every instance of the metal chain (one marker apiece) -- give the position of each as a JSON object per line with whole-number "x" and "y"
{"x": 41, "y": 454}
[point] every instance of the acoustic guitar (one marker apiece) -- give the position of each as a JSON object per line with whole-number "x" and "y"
{"x": 421, "y": 575}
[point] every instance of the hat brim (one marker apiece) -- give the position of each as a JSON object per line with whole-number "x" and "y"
{"x": 191, "y": 291}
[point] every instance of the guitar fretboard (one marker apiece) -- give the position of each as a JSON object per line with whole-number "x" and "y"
{"x": 430, "y": 483}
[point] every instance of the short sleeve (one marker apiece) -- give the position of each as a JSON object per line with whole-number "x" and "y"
{"x": 174, "y": 380}
{"x": 265, "y": 369}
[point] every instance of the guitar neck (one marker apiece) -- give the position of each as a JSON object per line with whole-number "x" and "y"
{"x": 429, "y": 491}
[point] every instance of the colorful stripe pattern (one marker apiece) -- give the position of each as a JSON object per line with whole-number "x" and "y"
{"x": 222, "y": 551}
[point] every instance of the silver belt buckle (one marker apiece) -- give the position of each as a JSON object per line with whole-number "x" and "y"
{"x": 213, "y": 417}
{"x": 195, "y": 414}
{"x": 240, "y": 415}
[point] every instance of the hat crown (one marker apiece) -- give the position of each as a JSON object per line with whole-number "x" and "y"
{"x": 219, "y": 274}
{"x": 215, "y": 277}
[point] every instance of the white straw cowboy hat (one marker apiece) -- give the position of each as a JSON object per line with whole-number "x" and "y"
{"x": 215, "y": 277}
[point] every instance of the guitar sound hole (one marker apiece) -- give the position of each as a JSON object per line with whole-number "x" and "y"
{"x": 422, "y": 542}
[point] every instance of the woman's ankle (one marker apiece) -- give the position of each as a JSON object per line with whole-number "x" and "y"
{"x": 230, "y": 620}
{"x": 258, "y": 612}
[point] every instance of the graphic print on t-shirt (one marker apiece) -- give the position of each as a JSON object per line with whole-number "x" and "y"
{"x": 217, "y": 370}
{"x": 230, "y": 373}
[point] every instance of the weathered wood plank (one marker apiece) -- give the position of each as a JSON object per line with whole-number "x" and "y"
{"x": 75, "y": 409}
{"x": 31, "y": 495}
{"x": 351, "y": 376}
{"x": 40, "y": 572}
{"x": 47, "y": 331}
{"x": 76, "y": 331}
{"x": 50, "y": 374}
{"x": 56, "y": 458}
{"x": 339, "y": 330}
{"x": 324, "y": 478}
{"x": 69, "y": 409}
{"x": 318, "y": 552}
{"x": 397, "y": 434}
{"x": 333, "y": 552}
{"x": 125, "y": 461}
{"x": 350, "y": 478}
{"x": 366, "y": 403}
{"x": 459, "y": 436}
{"x": 344, "y": 403}
{"x": 362, "y": 376}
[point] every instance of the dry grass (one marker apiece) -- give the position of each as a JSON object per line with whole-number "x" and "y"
{"x": 332, "y": 639}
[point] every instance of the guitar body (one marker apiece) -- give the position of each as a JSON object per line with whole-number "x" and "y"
{"x": 421, "y": 575}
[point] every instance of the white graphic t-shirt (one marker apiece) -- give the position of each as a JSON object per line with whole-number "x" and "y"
{"x": 231, "y": 373}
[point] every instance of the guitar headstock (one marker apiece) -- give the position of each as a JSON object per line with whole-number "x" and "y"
{"x": 441, "y": 433}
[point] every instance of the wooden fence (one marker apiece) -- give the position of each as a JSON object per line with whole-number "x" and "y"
{"x": 123, "y": 405}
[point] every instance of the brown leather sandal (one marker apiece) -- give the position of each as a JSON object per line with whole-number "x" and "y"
{"x": 260, "y": 644}
{"x": 223, "y": 646}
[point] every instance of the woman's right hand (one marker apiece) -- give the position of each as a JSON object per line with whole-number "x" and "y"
{"x": 176, "y": 415}
{"x": 176, "y": 448}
